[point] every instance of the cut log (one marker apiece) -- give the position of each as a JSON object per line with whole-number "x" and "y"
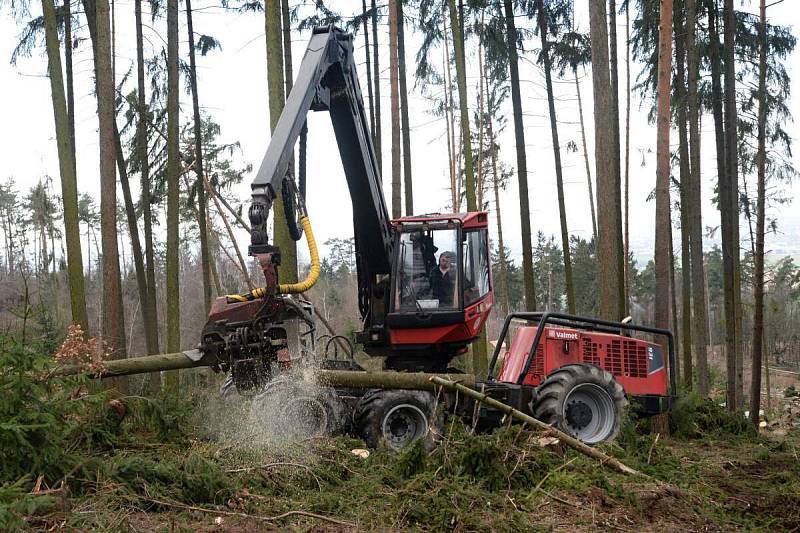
{"x": 329, "y": 378}
{"x": 570, "y": 441}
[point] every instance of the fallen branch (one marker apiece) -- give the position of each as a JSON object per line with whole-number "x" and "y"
{"x": 556, "y": 498}
{"x": 275, "y": 465}
{"x": 652, "y": 446}
{"x": 570, "y": 441}
{"x": 257, "y": 517}
{"x": 262, "y": 467}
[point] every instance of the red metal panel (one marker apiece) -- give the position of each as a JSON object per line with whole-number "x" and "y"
{"x": 474, "y": 318}
{"x": 626, "y": 358}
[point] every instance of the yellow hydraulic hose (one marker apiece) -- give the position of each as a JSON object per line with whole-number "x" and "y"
{"x": 290, "y": 288}
{"x": 313, "y": 273}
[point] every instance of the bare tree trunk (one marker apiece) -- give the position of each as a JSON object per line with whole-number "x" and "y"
{"x": 406, "y": 131}
{"x": 562, "y": 208}
{"x": 275, "y": 78}
{"x": 455, "y": 197}
{"x": 205, "y": 260}
{"x": 586, "y": 157}
{"x": 724, "y": 206}
{"x": 394, "y": 103}
{"x": 761, "y": 162}
{"x": 377, "y": 73}
{"x": 461, "y": 82}
{"x": 481, "y": 103}
{"x": 683, "y": 156}
{"x": 288, "y": 69}
{"x": 369, "y": 69}
{"x": 617, "y": 213}
{"x": 70, "y": 83}
{"x": 700, "y": 322}
{"x": 522, "y": 166}
{"x": 66, "y": 162}
{"x": 133, "y": 231}
{"x": 626, "y": 199}
{"x": 674, "y": 305}
{"x": 288, "y": 77}
{"x": 732, "y": 167}
{"x": 113, "y": 316}
{"x": 149, "y": 305}
{"x": 663, "y": 224}
{"x": 500, "y": 243}
{"x": 171, "y": 378}
{"x": 608, "y": 245}
{"x": 479, "y": 360}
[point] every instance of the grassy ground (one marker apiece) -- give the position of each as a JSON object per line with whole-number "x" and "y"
{"x": 163, "y": 469}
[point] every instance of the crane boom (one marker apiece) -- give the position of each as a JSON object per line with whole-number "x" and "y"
{"x": 328, "y": 81}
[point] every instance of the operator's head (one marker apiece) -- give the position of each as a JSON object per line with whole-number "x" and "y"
{"x": 446, "y": 259}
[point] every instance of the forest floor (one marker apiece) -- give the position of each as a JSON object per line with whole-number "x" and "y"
{"x": 178, "y": 467}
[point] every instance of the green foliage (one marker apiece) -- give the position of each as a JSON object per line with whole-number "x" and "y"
{"x": 36, "y": 416}
{"x": 695, "y": 417}
{"x": 166, "y": 417}
{"x": 17, "y": 502}
{"x": 191, "y": 479}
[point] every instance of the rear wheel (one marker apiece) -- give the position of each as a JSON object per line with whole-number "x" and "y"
{"x": 395, "y": 418}
{"x": 295, "y": 410}
{"x": 583, "y": 401}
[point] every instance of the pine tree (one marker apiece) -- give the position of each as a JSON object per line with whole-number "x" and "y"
{"x": 277, "y": 97}
{"x": 113, "y": 317}
{"x": 66, "y": 160}
{"x": 151, "y": 315}
{"x": 542, "y": 17}
{"x": 205, "y": 261}
{"x": 608, "y": 242}
{"x": 171, "y": 378}
{"x": 522, "y": 166}
{"x": 394, "y": 106}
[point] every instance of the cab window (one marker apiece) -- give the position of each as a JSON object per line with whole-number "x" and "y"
{"x": 428, "y": 270}
{"x": 476, "y": 265}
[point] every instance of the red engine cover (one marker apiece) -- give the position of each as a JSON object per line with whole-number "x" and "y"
{"x": 639, "y": 366}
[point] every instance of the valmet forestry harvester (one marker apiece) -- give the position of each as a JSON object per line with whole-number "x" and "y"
{"x": 424, "y": 294}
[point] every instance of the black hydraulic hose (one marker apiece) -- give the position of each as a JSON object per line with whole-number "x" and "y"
{"x": 288, "y": 192}
{"x": 301, "y": 173}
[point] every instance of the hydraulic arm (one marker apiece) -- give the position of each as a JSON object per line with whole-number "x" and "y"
{"x": 328, "y": 81}
{"x": 248, "y": 333}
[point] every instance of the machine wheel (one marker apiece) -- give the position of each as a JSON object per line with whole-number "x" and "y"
{"x": 394, "y": 417}
{"x": 295, "y": 410}
{"x": 581, "y": 400}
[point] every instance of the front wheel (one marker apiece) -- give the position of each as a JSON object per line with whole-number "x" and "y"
{"x": 395, "y": 418}
{"x": 584, "y": 401}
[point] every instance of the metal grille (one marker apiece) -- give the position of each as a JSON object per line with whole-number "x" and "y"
{"x": 538, "y": 362}
{"x": 590, "y": 352}
{"x": 614, "y": 357}
{"x": 635, "y": 356}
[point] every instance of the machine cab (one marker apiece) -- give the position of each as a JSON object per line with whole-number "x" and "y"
{"x": 441, "y": 290}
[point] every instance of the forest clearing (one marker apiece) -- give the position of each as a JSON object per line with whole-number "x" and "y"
{"x": 580, "y": 319}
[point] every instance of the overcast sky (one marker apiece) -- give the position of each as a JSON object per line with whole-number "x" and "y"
{"x": 233, "y": 90}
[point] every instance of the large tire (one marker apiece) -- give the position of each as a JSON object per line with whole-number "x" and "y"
{"x": 584, "y": 401}
{"x": 394, "y": 418}
{"x": 291, "y": 410}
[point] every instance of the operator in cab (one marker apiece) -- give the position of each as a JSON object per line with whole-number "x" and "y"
{"x": 443, "y": 279}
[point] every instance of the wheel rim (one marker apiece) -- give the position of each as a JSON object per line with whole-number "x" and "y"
{"x": 589, "y": 413}
{"x": 404, "y": 424}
